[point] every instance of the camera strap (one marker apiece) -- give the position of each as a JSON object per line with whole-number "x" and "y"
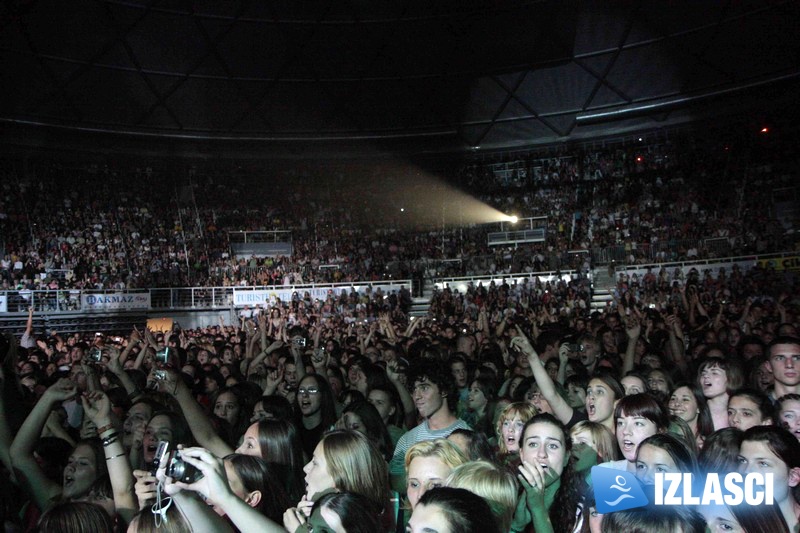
{"x": 160, "y": 508}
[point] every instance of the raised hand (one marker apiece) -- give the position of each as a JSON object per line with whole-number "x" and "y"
{"x": 151, "y": 340}
{"x": 521, "y": 343}
{"x": 633, "y": 328}
{"x": 320, "y": 359}
{"x": 97, "y": 407}
{"x": 145, "y": 488}
{"x": 61, "y": 390}
{"x": 167, "y": 383}
{"x": 274, "y": 378}
{"x": 563, "y": 353}
{"x": 114, "y": 364}
{"x": 213, "y": 486}
{"x": 391, "y": 371}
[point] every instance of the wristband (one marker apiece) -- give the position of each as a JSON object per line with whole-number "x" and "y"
{"x": 114, "y": 456}
{"x": 105, "y": 428}
{"x": 111, "y": 439}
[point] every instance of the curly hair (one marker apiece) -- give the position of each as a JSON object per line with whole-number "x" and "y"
{"x": 437, "y": 373}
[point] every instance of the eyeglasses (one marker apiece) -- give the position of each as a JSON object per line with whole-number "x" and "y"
{"x": 311, "y": 391}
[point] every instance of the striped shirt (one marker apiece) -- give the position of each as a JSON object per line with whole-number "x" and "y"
{"x": 420, "y": 433}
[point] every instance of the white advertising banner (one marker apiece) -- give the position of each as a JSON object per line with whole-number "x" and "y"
{"x": 3, "y": 303}
{"x": 261, "y": 297}
{"x": 115, "y": 302}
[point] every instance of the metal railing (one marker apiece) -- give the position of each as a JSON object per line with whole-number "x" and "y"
{"x": 676, "y": 249}
{"x": 664, "y": 251}
{"x": 516, "y": 237}
{"x": 670, "y": 266}
{"x": 194, "y": 298}
{"x": 464, "y": 282}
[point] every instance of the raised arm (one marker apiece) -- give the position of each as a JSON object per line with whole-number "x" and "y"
{"x": 676, "y": 343}
{"x": 563, "y": 359}
{"x": 200, "y": 425}
{"x": 115, "y": 366}
{"x": 92, "y": 377}
{"x": 405, "y": 397}
{"x": 560, "y": 407}
{"x": 633, "y": 329}
{"x": 300, "y": 367}
{"x": 199, "y": 515}
{"x": 97, "y": 407}
{"x": 143, "y": 352}
{"x": 29, "y": 323}
{"x": 213, "y": 487}
{"x": 27, "y": 470}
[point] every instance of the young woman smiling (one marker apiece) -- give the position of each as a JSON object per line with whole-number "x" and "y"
{"x": 688, "y": 403}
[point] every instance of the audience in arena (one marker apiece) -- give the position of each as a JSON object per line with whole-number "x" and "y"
{"x": 343, "y": 414}
{"x": 163, "y": 235}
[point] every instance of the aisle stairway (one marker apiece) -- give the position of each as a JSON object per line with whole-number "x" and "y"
{"x": 601, "y": 283}
{"x": 421, "y": 304}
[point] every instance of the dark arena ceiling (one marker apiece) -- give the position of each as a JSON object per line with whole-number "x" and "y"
{"x": 312, "y": 77}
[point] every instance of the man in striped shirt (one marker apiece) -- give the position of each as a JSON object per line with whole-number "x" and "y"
{"x": 433, "y": 387}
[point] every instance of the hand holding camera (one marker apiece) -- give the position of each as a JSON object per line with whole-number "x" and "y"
{"x": 163, "y": 381}
{"x": 196, "y": 469}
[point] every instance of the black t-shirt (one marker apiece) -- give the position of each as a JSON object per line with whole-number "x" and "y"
{"x": 310, "y": 438}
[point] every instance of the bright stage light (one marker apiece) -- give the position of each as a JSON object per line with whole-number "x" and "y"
{"x": 513, "y": 219}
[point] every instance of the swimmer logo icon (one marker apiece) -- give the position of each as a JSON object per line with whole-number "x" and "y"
{"x": 616, "y": 490}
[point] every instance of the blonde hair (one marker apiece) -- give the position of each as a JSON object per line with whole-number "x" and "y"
{"x": 605, "y": 444}
{"x": 442, "y": 449}
{"x": 494, "y": 484}
{"x": 356, "y": 465}
{"x": 524, "y": 410}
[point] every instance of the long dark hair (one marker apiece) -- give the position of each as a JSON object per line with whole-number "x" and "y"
{"x": 374, "y": 427}
{"x": 281, "y": 446}
{"x": 257, "y": 474}
{"x": 357, "y": 513}
{"x": 720, "y": 451}
{"x": 327, "y": 401}
{"x": 570, "y": 495}
{"x": 779, "y": 440}
{"x": 464, "y": 511}
{"x": 102, "y": 482}
{"x": 243, "y": 420}
{"x": 677, "y": 450}
{"x": 643, "y": 405}
{"x": 705, "y": 425}
{"x": 760, "y": 518}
